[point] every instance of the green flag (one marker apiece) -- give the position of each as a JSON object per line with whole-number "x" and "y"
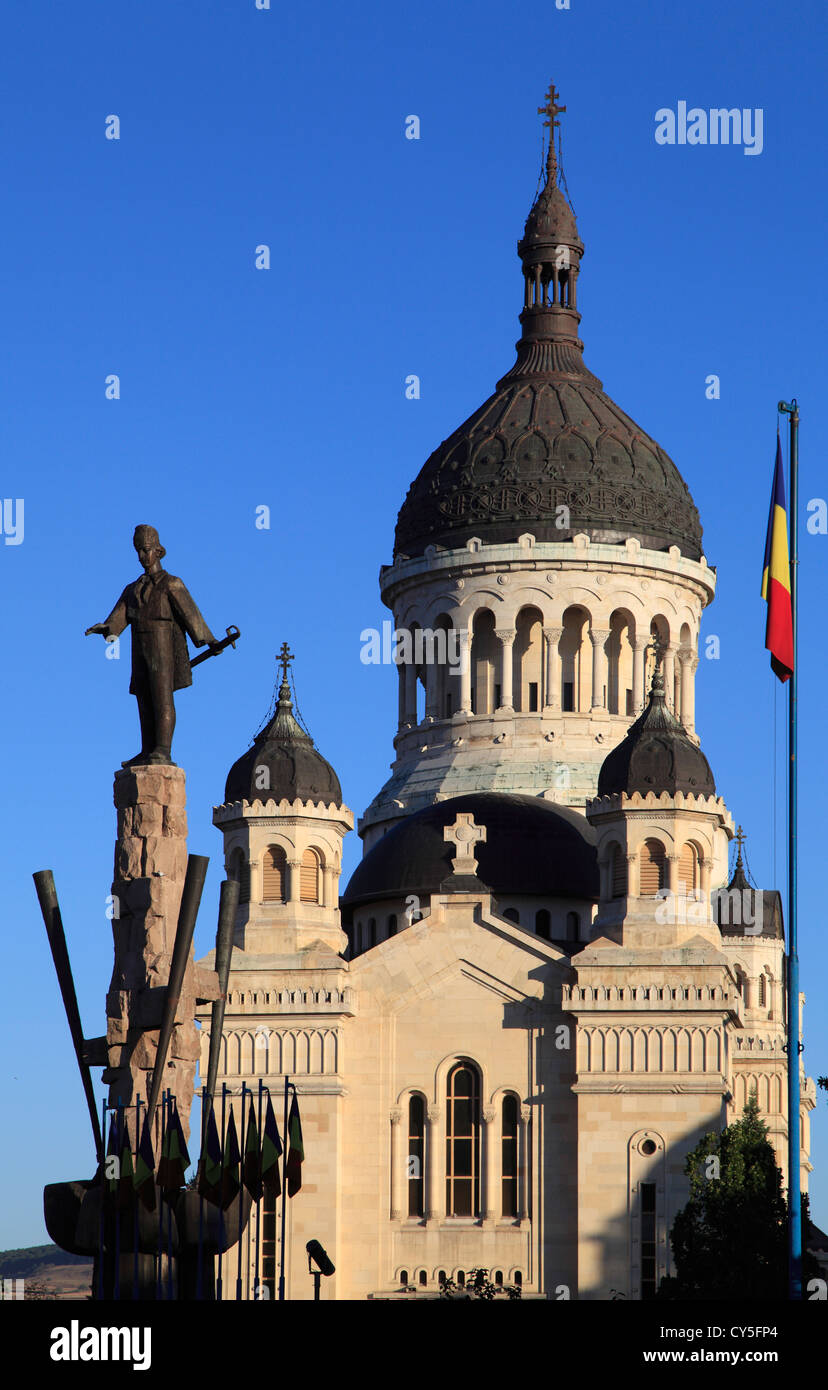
{"x": 296, "y": 1150}
{"x": 209, "y": 1176}
{"x": 175, "y": 1160}
{"x": 230, "y": 1164}
{"x": 271, "y": 1153}
{"x": 252, "y": 1173}
{"x": 143, "y": 1177}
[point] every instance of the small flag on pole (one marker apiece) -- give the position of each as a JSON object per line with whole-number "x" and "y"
{"x": 296, "y": 1150}
{"x": 776, "y": 578}
{"x": 209, "y": 1178}
{"x": 175, "y": 1159}
{"x": 271, "y": 1153}
{"x": 230, "y": 1164}
{"x": 252, "y": 1172}
{"x": 144, "y": 1170}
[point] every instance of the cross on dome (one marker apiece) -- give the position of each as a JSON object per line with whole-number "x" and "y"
{"x": 464, "y": 835}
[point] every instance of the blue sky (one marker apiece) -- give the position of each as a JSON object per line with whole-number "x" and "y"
{"x": 286, "y": 388}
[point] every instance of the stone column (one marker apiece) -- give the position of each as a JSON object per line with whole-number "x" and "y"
{"x": 670, "y": 676}
{"x": 506, "y": 637}
{"x": 434, "y": 1162}
{"x": 294, "y": 869}
{"x": 633, "y": 875}
{"x": 598, "y": 637}
{"x": 552, "y": 680}
{"x": 491, "y": 1165}
{"x": 255, "y": 868}
{"x": 464, "y": 641}
{"x": 150, "y": 867}
{"x": 401, "y": 710}
{"x": 523, "y": 1163}
{"x": 432, "y": 685}
{"x": 673, "y": 873}
{"x": 398, "y": 1167}
{"x": 688, "y": 692}
{"x": 639, "y": 669}
{"x": 410, "y": 694}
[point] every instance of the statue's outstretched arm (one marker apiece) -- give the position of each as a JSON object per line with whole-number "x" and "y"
{"x": 114, "y": 625}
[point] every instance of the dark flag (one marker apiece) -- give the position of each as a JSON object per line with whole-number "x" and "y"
{"x": 252, "y": 1173}
{"x": 126, "y": 1187}
{"x": 230, "y": 1164}
{"x": 175, "y": 1160}
{"x": 143, "y": 1177}
{"x": 271, "y": 1153}
{"x": 209, "y": 1177}
{"x": 112, "y": 1170}
{"x": 296, "y": 1150}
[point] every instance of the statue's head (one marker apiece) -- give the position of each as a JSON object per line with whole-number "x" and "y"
{"x": 148, "y": 545}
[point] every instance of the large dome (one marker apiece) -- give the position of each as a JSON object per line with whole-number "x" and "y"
{"x": 532, "y": 847}
{"x": 550, "y": 437}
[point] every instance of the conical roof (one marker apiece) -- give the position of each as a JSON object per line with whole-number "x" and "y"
{"x": 283, "y": 762}
{"x": 549, "y": 437}
{"x": 657, "y": 755}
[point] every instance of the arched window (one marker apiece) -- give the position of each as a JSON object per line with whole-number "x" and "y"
{"x": 509, "y": 1156}
{"x": 763, "y": 988}
{"x": 422, "y": 1277}
{"x": 309, "y": 877}
{"x": 498, "y": 1277}
{"x": 416, "y": 1156}
{"x": 463, "y": 1141}
{"x": 274, "y": 875}
{"x": 618, "y": 873}
{"x": 688, "y": 872}
{"x": 372, "y": 931}
{"x": 573, "y": 926}
{"x": 653, "y": 868}
{"x": 512, "y": 915}
{"x": 239, "y": 869}
{"x": 404, "y": 1278}
{"x": 392, "y": 924}
{"x": 543, "y": 923}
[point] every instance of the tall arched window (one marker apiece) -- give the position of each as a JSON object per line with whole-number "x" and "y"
{"x": 309, "y": 877}
{"x": 543, "y": 922}
{"x": 372, "y": 931}
{"x": 416, "y": 1156}
{"x": 509, "y": 1156}
{"x": 512, "y": 915}
{"x": 763, "y": 997}
{"x": 573, "y": 926}
{"x": 274, "y": 875}
{"x": 653, "y": 868}
{"x": 463, "y": 1141}
{"x": 239, "y": 869}
{"x": 618, "y": 873}
{"x": 688, "y": 873}
{"x": 392, "y": 924}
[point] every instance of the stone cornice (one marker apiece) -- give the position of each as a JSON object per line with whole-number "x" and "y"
{"x": 278, "y": 812}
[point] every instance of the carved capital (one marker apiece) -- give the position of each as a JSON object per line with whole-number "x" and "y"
{"x": 552, "y": 635}
{"x": 598, "y": 635}
{"x": 506, "y": 635}
{"x": 489, "y": 1114}
{"x": 395, "y": 1116}
{"x": 433, "y": 1113}
{"x": 525, "y": 1113}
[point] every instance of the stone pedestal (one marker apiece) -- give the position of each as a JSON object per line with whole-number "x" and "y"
{"x": 150, "y": 866}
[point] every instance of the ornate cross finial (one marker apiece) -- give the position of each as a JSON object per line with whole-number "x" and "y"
{"x": 740, "y": 840}
{"x": 464, "y": 835}
{"x": 285, "y": 657}
{"x": 551, "y": 110}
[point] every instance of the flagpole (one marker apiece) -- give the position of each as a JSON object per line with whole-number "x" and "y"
{"x": 285, "y": 1145}
{"x": 791, "y": 409}
{"x": 104, "y": 1194}
{"x": 220, "y": 1280}
{"x": 258, "y": 1276}
{"x": 135, "y": 1203}
{"x": 243, "y": 1147}
{"x": 200, "y": 1274}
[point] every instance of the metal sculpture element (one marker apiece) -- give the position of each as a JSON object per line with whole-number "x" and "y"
{"x": 161, "y": 614}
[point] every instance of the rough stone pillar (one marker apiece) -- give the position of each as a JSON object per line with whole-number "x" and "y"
{"x": 150, "y": 866}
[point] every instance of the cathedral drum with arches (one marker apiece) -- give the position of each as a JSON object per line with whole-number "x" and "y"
{"x": 543, "y": 983}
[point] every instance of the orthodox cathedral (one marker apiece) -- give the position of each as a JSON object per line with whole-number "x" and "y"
{"x": 543, "y": 984}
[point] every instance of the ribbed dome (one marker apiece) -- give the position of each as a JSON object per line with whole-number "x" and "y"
{"x": 532, "y": 847}
{"x": 286, "y": 754}
{"x": 656, "y": 755}
{"x": 550, "y": 437}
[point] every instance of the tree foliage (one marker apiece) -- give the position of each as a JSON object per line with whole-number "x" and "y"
{"x": 730, "y": 1241}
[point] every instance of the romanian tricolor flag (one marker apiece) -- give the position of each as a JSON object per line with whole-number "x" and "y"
{"x": 776, "y": 578}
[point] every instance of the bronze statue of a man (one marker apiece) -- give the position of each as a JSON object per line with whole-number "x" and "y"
{"x": 160, "y": 612}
